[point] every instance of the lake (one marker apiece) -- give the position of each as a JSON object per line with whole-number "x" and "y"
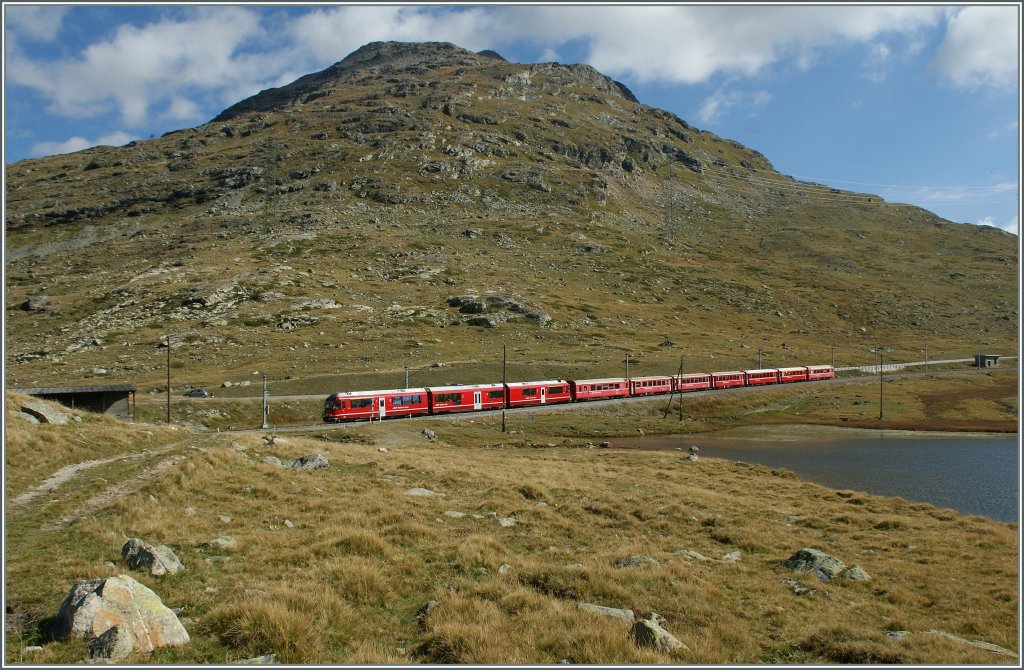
{"x": 972, "y": 474}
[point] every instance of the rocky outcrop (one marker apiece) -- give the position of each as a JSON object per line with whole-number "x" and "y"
{"x": 158, "y": 561}
{"x": 45, "y": 412}
{"x": 650, "y": 632}
{"x": 94, "y": 606}
{"x": 310, "y": 462}
{"x": 823, "y": 566}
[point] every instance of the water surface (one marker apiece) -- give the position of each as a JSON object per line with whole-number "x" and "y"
{"x": 971, "y": 474}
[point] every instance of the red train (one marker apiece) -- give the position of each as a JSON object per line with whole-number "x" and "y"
{"x": 356, "y": 405}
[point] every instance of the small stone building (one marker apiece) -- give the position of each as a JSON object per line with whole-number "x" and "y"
{"x": 117, "y": 400}
{"x": 986, "y": 360}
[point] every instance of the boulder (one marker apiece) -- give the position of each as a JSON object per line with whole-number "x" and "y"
{"x": 159, "y": 560}
{"x": 429, "y": 434}
{"x": 856, "y": 573}
{"x": 45, "y": 412}
{"x": 811, "y": 560}
{"x": 94, "y": 606}
{"x": 114, "y": 645}
{"x": 649, "y": 632}
{"x": 311, "y": 462}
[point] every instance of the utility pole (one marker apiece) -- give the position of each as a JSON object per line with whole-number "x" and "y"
{"x": 926, "y": 358}
{"x": 504, "y": 389}
{"x": 168, "y": 379}
{"x": 627, "y": 367}
{"x": 758, "y": 359}
{"x": 266, "y": 404}
{"x": 833, "y": 356}
{"x": 880, "y": 385}
{"x": 406, "y": 377}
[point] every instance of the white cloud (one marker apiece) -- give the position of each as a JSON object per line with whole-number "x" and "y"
{"x": 721, "y": 101}
{"x": 73, "y": 144}
{"x": 34, "y": 22}
{"x": 1010, "y": 226}
{"x": 981, "y": 47}
{"x": 139, "y": 67}
{"x": 690, "y": 44}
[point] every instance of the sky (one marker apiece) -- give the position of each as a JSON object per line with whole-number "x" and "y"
{"x": 918, "y": 104}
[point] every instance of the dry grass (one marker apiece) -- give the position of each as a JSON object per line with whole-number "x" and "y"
{"x": 344, "y": 583}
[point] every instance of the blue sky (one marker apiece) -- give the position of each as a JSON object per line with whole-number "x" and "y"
{"x": 918, "y": 104}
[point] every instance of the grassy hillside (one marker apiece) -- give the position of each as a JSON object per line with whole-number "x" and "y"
{"x": 334, "y": 565}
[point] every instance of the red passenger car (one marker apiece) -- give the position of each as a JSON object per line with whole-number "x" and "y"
{"x": 521, "y": 394}
{"x": 792, "y": 375}
{"x": 694, "y": 382}
{"x": 724, "y": 380}
{"x": 820, "y": 372}
{"x": 758, "y": 377}
{"x": 650, "y": 385}
{"x": 592, "y": 389}
{"x": 465, "y": 398}
{"x": 356, "y": 405}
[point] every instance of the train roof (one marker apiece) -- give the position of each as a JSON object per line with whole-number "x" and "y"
{"x": 799, "y": 369}
{"x": 363, "y": 394}
{"x": 606, "y": 380}
{"x": 819, "y": 367}
{"x": 650, "y": 378}
{"x": 750, "y": 372}
{"x": 693, "y": 374}
{"x": 464, "y": 387}
{"x": 728, "y": 372}
{"x": 540, "y": 383}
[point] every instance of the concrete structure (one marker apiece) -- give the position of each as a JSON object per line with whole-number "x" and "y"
{"x": 986, "y": 361}
{"x": 117, "y": 401}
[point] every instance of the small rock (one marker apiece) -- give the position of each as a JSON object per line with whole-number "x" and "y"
{"x": 429, "y": 434}
{"x": 504, "y": 568}
{"x": 221, "y": 542}
{"x": 637, "y": 562}
{"x": 190, "y": 511}
{"x": 649, "y": 632}
{"x": 265, "y": 659}
{"x": 896, "y": 635}
{"x": 417, "y": 491}
{"x": 273, "y": 460}
{"x": 692, "y": 554}
{"x": 732, "y": 556}
{"x": 311, "y": 462}
{"x": 382, "y": 450}
{"x": 624, "y": 614}
{"x": 856, "y": 573}
{"x": 424, "y": 612}
{"x": 288, "y": 524}
{"x": 691, "y": 457}
{"x": 812, "y": 560}
{"x": 455, "y": 515}
{"x": 159, "y": 560}
{"x": 223, "y": 518}
{"x": 506, "y": 522}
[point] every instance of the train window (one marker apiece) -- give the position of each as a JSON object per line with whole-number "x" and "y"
{"x": 406, "y": 400}
{"x": 529, "y": 393}
{"x": 361, "y": 403}
{"x": 447, "y": 397}
{"x": 495, "y": 395}
{"x": 556, "y": 389}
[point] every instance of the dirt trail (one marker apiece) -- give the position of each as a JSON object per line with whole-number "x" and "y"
{"x": 69, "y": 472}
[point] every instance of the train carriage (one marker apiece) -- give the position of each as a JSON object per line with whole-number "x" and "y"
{"x": 725, "y": 380}
{"x": 592, "y": 389}
{"x": 650, "y": 385}
{"x": 538, "y": 393}
{"x": 820, "y": 372}
{"x": 442, "y": 399}
{"x": 764, "y": 376}
{"x": 792, "y": 375}
{"x": 355, "y": 405}
{"x": 692, "y": 382}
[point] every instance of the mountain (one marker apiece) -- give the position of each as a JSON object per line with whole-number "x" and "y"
{"x": 421, "y": 205}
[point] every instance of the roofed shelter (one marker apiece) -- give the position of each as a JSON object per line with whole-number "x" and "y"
{"x": 116, "y": 400}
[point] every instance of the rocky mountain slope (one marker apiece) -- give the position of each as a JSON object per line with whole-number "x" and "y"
{"x": 420, "y": 204}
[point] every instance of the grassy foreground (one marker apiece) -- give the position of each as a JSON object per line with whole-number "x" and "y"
{"x": 343, "y": 580}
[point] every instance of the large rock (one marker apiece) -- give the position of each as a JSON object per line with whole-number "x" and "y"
{"x": 159, "y": 560}
{"x": 624, "y": 614}
{"x": 637, "y": 562}
{"x": 94, "y": 606}
{"x": 311, "y": 462}
{"x": 45, "y": 412}
{"x": 649, "y": 632}
{"x": 114, "y": 645}
{"x": 811, "y": 560}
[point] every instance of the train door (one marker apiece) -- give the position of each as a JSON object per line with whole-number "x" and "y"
{"x": 543, "y": 394}
{"x": 478, "y": 399}
{"x": 382, "y": 406}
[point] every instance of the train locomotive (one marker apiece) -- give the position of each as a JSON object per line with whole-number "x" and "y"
{"x": 392, "y": 403}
